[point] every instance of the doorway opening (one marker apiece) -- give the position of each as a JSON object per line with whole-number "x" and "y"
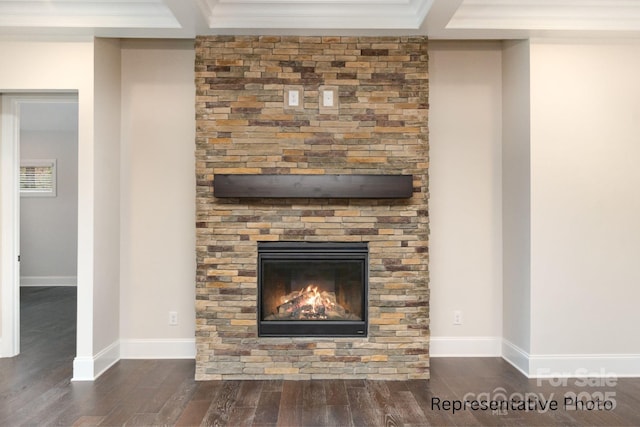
{"x": 39, "y": 219}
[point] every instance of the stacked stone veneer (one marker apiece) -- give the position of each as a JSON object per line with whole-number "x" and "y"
{"x": 244, "y": 126}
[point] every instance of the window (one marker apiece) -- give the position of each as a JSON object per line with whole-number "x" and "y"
{"x": 38, "y": 178}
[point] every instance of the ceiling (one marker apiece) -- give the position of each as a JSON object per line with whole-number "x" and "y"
{"x": 438, "y": 19}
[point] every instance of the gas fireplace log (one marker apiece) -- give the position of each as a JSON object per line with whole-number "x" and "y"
{"x": 309, "y": 304}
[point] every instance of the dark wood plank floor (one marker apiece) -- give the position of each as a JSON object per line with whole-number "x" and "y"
{"x": 35, "y": 389}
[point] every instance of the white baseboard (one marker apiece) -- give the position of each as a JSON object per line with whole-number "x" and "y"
{"x": 158, "y": 348}
{"x": 584, "y": 365}
{"x": 465, "y": 347}
{"x": 91, "y": 367}
{"x": 516, "y": 356}
{"x": 26, "y": 281}
{"x": 571, "y": 365}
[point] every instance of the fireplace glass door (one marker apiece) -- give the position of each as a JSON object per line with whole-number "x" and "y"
{"x": 312, "y": 289}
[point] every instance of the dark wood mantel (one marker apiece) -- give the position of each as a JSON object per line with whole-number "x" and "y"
{"x": 314, "y": 186}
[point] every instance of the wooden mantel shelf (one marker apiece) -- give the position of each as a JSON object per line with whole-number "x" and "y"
{"x": 314, "y": 186}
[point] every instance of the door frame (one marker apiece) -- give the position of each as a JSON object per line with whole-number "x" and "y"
{"x": 10, "y": 212}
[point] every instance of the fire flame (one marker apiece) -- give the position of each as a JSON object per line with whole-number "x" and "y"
{"x": 310, "y": 302}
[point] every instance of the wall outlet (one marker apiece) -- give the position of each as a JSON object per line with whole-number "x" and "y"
{"x": 457, "y": 317}
{"x": 173, "y": 318}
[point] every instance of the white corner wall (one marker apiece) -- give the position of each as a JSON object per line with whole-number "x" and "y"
{"x": 585, "y": 206}
{"x": 516, "y": 204}
{"x": 41, "y": 66}
{"x": 158, "y": 199}
{"x": 465, "y": 247}
{"x": 106, "y": 289}
{"x": 563, "y": 231}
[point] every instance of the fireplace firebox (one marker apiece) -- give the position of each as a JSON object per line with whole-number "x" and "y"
{"x": 312, "y": 289}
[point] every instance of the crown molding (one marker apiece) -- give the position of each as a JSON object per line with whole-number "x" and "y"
{"x": 315, "y": 14}
{"x": 86, "y": 14}
{"x": 564, "y": 15}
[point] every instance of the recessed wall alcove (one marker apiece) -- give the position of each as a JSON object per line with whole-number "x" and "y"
{"x": 379, "y": 127}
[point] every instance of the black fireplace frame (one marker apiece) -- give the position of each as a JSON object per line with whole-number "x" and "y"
{"x": 350, "y": 251}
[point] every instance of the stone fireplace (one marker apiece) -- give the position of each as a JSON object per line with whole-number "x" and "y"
{"x": 245, "y": 126}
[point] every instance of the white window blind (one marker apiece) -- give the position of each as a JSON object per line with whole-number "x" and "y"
{"x": 38, "y": 178}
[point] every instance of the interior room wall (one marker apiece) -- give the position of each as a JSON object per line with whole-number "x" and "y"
{"x": 49, "y": 225}
{"x": 465, "y": 197}
{"x": 157, "y": 198}
{"x": 516, "y": 194}
{"x": 106, "y": 290}
{"x": 69, "y": 68}
{"x": 465, "y": 213}
{"x": 585, "y": 198}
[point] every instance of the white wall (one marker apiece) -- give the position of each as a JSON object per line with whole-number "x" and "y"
{"x": 135, "y": 191}
{"x": 516, "y": 194}
{"x": 49, "y": 225}
{"x": 465, "y": 126}
{"x": 569, "y": 203}
{"x": 67, "y": 67}
{"x": 158, "y": 184}
{"x": 158, "y": 198}
{"x": 585, "y": 199}
{"x": 38, "y": 66}
{"x": 106, "y": 290}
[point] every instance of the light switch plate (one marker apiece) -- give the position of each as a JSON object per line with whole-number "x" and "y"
{"x": 328, "y": 99}
{"x": 294, "y": 97}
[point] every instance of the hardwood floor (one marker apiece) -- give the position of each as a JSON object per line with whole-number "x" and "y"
{"x": 35, "y": 389}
